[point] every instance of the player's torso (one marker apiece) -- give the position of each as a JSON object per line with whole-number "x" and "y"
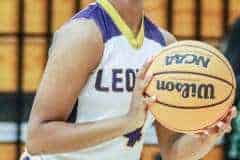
{"x": 108, "y": 90}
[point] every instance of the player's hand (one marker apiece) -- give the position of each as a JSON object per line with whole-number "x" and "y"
{"x": 138, "y": 107}
{"x": 221, "y": 127}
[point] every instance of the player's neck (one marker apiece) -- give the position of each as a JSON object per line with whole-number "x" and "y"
{"x": 131, "y": 11}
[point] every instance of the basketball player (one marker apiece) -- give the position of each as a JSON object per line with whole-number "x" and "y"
{"x": 95, "y": 59}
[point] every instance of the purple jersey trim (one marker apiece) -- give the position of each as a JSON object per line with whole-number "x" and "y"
{"x": 102, "y": 19}
{"x": 110, "y": 30}
{"x": 152, "y": 32}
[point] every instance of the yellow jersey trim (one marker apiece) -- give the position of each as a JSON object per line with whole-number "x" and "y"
{"x": 136, "y": 42}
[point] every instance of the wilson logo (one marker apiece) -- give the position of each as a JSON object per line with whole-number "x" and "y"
{"x": 188, "y": 90}
{"x": 188, "y": 59}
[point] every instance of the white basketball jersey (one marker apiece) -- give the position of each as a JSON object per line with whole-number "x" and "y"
{"x": 108, "y": 91}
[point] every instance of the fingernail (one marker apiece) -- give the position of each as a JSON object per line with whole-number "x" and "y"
{"x": 205, "y": 133}
{"x": 234, "y": 109}
{"x": 154, "y": 98}
{"x": 229, "y": 129}
{"x": 220, "y": 125}
{"x": 235, "y": 115}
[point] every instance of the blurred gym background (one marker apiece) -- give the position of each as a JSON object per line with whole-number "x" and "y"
{"x": 26, "y": 28}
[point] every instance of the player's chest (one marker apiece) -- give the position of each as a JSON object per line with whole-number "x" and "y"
{"x": 120, "y": 65}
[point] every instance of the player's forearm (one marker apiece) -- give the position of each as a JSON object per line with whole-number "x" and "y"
{"x": 61, "y": 137}
{"x": 191, "y": 147}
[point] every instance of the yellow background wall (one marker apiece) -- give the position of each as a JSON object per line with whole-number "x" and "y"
{"x": 35, "y": 46}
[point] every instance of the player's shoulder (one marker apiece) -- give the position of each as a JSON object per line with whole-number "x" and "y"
{"x": 101, "y": 18}
{"x": 76, "y": 32}
{"x": 79, "y": 39}
{"x": 82, "y": 25}
{"x": 77, "y": 42}
{"x": 157, "y": 33}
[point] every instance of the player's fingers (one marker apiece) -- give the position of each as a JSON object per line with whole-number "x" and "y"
{"x": 233, "y": 112}
{"x": 143, "y": 70}
{"x": 228, "y": 129}
{"x": 150, "y": 100}
{"x": 224, "y": 127}
{"x": 220, "y": 126}
{"x": 142, "y": 84}
{"x": 147, "y": 80}
{"x": 139, "y": 86}
{"x": 203, "y": 134}
{"x": 231, "y": 115}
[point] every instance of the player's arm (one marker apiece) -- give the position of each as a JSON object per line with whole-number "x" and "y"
{"x": 75, "y": 53}
{"x": 175, "y": 146}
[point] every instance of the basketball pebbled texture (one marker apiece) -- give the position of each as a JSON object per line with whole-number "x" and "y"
{"x": 194, "y": 85}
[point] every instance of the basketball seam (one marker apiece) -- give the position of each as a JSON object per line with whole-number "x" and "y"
{"x": 211, "y": 76}
{"x": 202, "y": 74}
{"x": 166, "y": 49}
{"x": 199, "y": 107}
{"x": 190, "y": 108}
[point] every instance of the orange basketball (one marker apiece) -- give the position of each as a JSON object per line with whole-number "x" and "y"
{"x": 194, "y": 85}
